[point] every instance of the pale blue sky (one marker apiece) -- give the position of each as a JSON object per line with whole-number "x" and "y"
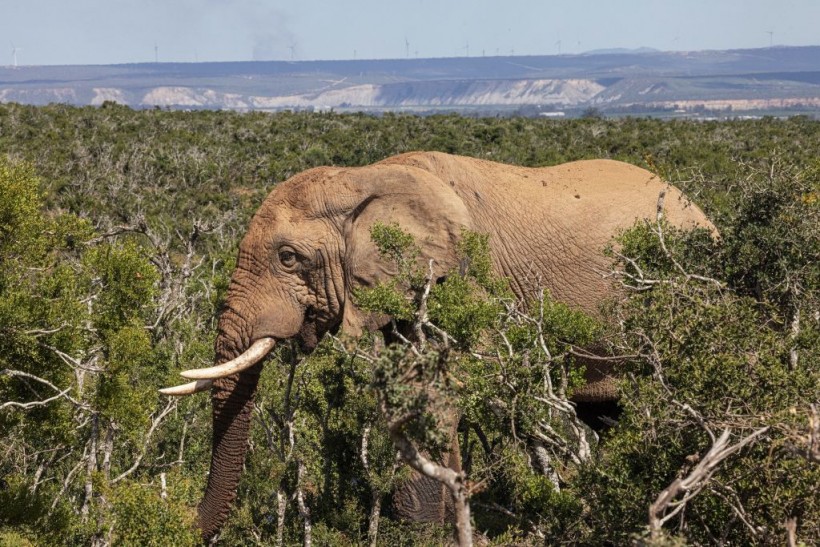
{"x": 126, "y": 31}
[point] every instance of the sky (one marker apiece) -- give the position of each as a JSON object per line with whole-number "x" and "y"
{"x": 65, "y": 32}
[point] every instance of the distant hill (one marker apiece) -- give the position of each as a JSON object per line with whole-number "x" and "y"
{"x": 620, "y": 51}
{"x": 617, "y": 81}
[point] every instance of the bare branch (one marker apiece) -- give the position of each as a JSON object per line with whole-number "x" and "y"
{"x": 581, "y": 352}
{"x": 71, "y": 361}
{"x": 67, "y": 480}
{"x": 695, "y": 481}
{"x": 445, "y": 336}
{"x": 352, "y": 353}
{"x": 421, "y": 313}
{"x": 304, "y": 510}
{"x": 32, "y": 404}
{"x": 91, "y": 466}
{"x": 545, "y": 463}
{"x": 641, "y": 283}
{"x": 662, "y": 240}
{"x": 169, "y": 407}
{"x": 281, "y": 509}
{"x": 736, "y": 506}
{"x": 376, "y": 493}
{"x": 60, "y": 392}
{"x": 42, "y": 332}
{"x": 403, "y": 338}
{"x": 807, "y": 444}
{"x": 795, "y": 332}
{"x": 455, "y": 481}
{"x": 791, "y": 532}
{"x": 363, "y": 454}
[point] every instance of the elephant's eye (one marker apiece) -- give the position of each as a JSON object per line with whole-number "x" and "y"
{"x": 287, "y": 257}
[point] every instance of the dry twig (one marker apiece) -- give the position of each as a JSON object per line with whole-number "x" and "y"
{"x": 666, "y": 506}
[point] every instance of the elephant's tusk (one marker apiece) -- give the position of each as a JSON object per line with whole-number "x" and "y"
{"x": 252, "y": 355}
{"x": 188, "y": 389}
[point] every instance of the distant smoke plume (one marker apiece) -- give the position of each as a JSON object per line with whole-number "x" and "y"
{"x": 264, "y": 28}
{"x": 272, "y": 39}
{"x": 275, "y": 45}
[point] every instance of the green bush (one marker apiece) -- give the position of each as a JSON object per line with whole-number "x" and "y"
{"x": 142, "y": 517}
{"x": 119, "y": 257}
{"x": 714, "y": 356}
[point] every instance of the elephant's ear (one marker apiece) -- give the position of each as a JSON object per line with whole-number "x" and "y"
{"x": 420, "y": 204}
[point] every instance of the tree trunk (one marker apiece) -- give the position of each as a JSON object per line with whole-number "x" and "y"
{"x": 91, "y": 465}
{"x": 304, "y": 510}
{"x": 375, "y": 515}
{"x": 281, "y": 508}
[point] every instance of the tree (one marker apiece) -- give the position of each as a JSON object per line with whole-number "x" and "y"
{"x": 716, "y": 355}
{"x": 77, "y": 384}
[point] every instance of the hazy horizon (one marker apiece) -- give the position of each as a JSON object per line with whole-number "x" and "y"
{"x": 49, "y": 32}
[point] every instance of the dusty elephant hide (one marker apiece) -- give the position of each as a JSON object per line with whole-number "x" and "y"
{"x": 309, "y": 246}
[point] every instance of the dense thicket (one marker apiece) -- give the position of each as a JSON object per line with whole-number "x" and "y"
{"x": 118, "y": 230}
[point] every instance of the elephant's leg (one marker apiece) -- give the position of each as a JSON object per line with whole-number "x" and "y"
{"x": 601, "y": 382}
{"x": 420, "y": 498}
{"x": 597, "y": 402}
{"x": 423, "y": 499}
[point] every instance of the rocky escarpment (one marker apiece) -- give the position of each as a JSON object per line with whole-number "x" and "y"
{"x": 453, "y": 93}
{"x": 405, "y": 94}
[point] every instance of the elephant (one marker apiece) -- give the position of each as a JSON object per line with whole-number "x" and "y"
{"x": 308, "y": 248}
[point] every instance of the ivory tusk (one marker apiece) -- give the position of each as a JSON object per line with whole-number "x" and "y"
{"x": 252, "y": 355}
{"x": 188, "y": 389}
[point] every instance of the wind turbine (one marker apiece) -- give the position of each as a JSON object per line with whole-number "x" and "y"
{"x": 558, "y": 43}
{"x": 771, "y": 37}
{"x": 14, "y": 51}
{"x": 407, "y": 46}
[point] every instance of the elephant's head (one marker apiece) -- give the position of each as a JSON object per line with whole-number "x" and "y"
{"x": 307, "y": 247}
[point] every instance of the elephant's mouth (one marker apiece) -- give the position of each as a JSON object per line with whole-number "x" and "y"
{"x": 316, "y": 324}
{"x": 204, "y": 377}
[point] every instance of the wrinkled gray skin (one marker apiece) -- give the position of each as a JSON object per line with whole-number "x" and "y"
{"x": 309, "y": 246}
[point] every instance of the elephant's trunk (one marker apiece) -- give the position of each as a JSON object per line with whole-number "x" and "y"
{"x": 232, "y": 407}
{"x": 232, "y": 401}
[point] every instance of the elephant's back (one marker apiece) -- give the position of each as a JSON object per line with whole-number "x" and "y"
{"x": 614, "y": 195}
{"x": 601, "y": 194}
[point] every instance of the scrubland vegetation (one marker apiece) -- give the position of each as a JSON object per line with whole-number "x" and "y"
{"x": 118, "y": 231}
